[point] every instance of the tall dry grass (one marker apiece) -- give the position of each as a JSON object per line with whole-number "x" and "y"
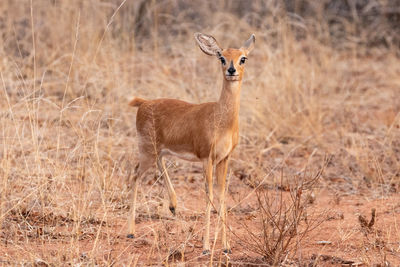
{"x": 313, "y": 87}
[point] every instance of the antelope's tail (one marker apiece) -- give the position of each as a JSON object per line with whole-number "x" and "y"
{"x": 137, "y": 101}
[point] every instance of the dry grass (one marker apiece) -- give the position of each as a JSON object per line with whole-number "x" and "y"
{"x": 68, "y": 69}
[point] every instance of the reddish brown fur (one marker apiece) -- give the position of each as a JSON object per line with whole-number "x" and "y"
{"x": 182, "y": 127}
{"x": 191, "y": 128}
{"x": 234, "y": 55}
{"x": 136, "y": 102}
{"x": 206, "y": 132}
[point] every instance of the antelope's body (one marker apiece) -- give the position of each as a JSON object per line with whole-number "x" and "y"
{"x": 206, "y": 132}
{"x": 158, "y": 135}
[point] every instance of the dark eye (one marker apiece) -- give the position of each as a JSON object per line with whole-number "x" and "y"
{"x": 222, "y": 60}
{"x": 242, "y": 60}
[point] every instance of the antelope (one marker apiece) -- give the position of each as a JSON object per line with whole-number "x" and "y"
{"x": 206, "y": 132}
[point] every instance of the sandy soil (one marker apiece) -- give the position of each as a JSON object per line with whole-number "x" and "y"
{"x": 163, "y": 238}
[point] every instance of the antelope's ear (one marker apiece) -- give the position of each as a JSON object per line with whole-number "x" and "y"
{"x": 249, "y": 44}
{"x": 208, "y": 44}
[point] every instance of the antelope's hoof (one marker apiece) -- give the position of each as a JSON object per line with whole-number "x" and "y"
{"x": 206, "y": 252}
{"x": 172, "y": 209}
{"x": 131, "y": 236}
{"x": 227, "y": 251}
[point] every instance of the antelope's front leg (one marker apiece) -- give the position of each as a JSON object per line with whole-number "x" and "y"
{"x": 208, "y": 167}
{"x": 221, "y": 171}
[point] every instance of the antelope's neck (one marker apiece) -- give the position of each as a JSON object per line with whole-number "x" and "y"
{"x": 229, "y": 102}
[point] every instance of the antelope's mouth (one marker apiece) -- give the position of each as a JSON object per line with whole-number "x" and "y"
{"x": 232, "y": 77}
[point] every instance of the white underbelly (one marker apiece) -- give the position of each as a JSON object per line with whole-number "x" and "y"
{"x": 221, "y": 150}
{"x": 182, "y": 155}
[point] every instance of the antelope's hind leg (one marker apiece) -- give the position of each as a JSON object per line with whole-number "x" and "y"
{"x": 144, "y": 165}
{"x": 167, "y": 180}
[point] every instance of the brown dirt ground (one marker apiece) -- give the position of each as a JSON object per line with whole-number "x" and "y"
{"x": 53, "y": 236}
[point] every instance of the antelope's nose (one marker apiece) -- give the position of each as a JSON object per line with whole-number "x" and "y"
{"x": 231, "y": 70}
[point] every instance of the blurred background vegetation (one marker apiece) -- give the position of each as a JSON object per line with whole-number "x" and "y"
{"x": 333, "y": 22}
{"x": 321, "y": 72}
{"x": 322, "y": 82}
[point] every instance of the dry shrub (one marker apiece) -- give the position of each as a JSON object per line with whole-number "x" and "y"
{"x": 284, "y": 220}
{"x": 374, "y": 238}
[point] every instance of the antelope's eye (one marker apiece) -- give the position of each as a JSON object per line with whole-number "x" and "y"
{"x": 242, "y": 60}
{"x": 223, "y": 61}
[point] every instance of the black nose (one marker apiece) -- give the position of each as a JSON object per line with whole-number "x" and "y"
{"x": 231, "y": 70}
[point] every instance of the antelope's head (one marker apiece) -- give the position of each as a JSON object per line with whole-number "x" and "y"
{"x": 232, "y": 60}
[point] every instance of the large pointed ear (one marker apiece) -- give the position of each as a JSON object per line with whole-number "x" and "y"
{"x": 249, "y": 44}
{"x": 208, "y": 44}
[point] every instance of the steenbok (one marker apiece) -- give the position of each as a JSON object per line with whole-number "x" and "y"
{"x": 206, "y": 132}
